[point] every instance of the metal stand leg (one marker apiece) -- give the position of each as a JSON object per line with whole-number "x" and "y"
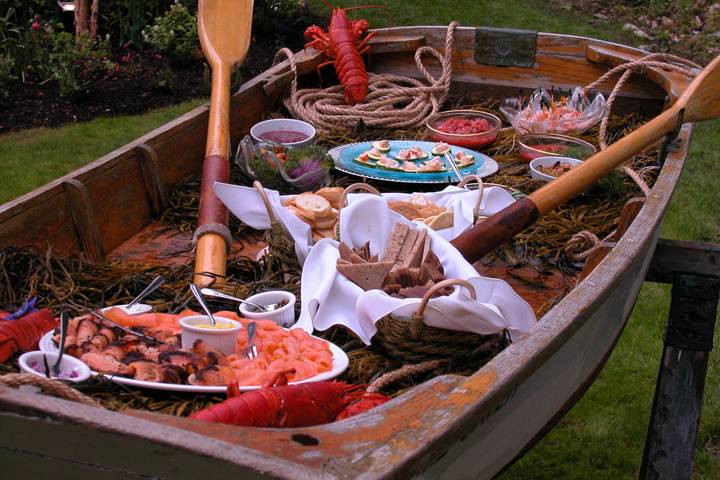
{"x": 688, "y": 340}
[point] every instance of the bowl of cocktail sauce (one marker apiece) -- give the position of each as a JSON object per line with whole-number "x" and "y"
{"x": 284, "y": 131}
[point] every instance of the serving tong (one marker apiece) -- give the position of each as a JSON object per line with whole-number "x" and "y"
{"x": 97, "y": 314}
{"x": 64, "y": 319}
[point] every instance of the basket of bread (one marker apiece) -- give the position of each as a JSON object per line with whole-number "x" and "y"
{"x": 452, "y": 210}
{"x": 399, "y": 285}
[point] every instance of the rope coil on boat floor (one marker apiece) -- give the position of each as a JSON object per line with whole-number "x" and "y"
{"x": 51, "y": 386}
{"x": 392, "y": 101}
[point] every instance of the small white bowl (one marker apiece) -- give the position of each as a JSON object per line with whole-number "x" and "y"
{"x": 283, "y": 316}
{"x": 222, "y": 339}
{"x": 67, "y": 364}
{"x": 284, "y": 125}
{"x": 137, "y": 309}
{"x": 549, "y": 162}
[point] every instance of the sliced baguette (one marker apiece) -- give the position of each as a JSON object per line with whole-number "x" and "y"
{"x": 332, "y": 195}
{"x": 313, "y": 205}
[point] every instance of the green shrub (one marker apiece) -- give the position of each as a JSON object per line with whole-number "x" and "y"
{"x": 74, "y": 64}
{"x": 175, "y": 34}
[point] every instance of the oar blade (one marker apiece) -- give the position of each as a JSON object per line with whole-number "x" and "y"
{"x": 702, "y": 97}
{"x": 224, "y": 28}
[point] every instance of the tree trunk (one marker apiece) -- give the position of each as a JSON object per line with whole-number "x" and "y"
{"x": 94, "y": 18}
{"x": 81, "y": 18}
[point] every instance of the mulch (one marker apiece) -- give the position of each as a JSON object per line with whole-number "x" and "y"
{"x": 135, "y": 89}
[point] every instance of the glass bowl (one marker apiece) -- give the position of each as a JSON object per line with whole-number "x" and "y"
{"x": 275, "y": 129}
{"x": 473, "y": 141}
{"x": 537, "y": 145}
{"x": 261, "y": 162}
{"x": 541, "y": 113}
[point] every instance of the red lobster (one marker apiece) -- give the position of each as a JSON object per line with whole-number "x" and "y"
{"x": 22, "y": 334}
{"x": 278, "y": 405}
{"x": 341, "y": 44}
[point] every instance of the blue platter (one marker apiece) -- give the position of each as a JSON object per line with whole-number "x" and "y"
{"x": 345, "y": 161}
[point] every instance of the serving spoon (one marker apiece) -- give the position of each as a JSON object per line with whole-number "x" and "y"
{"x": 701, "y": 101}
{"x": 202, "y": 303}
{"x": 214, "y": 293}
{"x": 154, "y": 285}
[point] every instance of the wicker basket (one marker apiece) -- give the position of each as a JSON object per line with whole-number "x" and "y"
{"x": 280, "y": 244}
{"x": 411, "y": 341}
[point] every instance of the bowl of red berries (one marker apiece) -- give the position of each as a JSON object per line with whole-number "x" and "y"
{"x": 464, "y": 128}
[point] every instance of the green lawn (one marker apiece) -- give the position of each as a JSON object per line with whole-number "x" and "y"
{"x": 31, "y": 158}
{"x": 603, "y": 435}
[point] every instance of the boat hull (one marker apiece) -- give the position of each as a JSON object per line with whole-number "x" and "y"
{"x": 449, "y": 427}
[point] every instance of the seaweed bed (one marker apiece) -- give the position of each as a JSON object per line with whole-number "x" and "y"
{"x": 75, "y": 284}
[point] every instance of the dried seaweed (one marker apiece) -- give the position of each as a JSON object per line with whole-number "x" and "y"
{"x": 76, "y": 284}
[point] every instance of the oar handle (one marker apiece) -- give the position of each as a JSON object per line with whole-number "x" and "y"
{"x": 211, "y": 252}
{"x": 492, "y": 232}
{"x": 484, "y": 237}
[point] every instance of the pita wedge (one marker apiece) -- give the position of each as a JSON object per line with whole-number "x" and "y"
{"x": 407, "y": 247}
{"x": 347, "y": 253}
{"x": 368, "y": 276}
{"x": 397, "y": 237}
{"x": 415, "y": 256}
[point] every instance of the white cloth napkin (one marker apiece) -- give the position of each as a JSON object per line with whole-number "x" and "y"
{"x": 460, "y": 201}
{"x": 328, "y": 298}
{"x": 246, "y": 204}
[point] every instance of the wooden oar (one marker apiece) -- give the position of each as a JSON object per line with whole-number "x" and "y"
{"x": 701, "y": 101}
{"x": 224, "y": 30}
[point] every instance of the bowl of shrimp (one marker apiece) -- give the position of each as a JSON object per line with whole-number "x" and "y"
{"x": 543, "y": 113}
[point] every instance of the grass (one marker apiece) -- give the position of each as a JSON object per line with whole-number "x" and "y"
{"x": 31, "y": 158}
{"x": 602, "y": 437}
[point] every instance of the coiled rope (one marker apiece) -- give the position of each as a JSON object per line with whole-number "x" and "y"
{"x": 664, "y": 61}
{"x": 392, "y": 101}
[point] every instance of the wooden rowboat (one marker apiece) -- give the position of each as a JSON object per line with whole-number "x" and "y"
{"x": 451, "y": 426}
